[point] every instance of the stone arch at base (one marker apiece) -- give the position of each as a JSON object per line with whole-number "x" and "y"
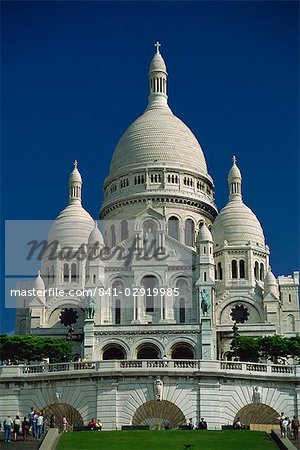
{"x": 63, "y": 409}
{"x": 159, "y": 415}
{"x": 257, "y": 413}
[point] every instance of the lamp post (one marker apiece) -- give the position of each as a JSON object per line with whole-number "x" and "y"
{"x": 235, "y": 336}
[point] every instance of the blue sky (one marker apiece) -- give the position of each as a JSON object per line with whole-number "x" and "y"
{"x": 74, "y": 76}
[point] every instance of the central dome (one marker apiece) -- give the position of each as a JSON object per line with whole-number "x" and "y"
{"x": 158, "y": 137}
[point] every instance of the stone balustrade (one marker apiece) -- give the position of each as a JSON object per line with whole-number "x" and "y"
{"x": 148, "y": 366}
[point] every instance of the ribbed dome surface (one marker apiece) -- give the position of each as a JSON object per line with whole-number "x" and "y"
{"x": 158, "y": 136}
{"x": 72, "y": 227}
{"x": 237, "y": 224}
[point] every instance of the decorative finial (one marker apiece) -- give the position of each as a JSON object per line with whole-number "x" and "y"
{"x": 234, "y": 159}
{"x": 75, "y": 164}
{"x": 157, "y": 45}
{"x": 39, "y": 273}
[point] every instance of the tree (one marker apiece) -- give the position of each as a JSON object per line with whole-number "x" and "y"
{"x": 247, "y": 348}
{"x": 34, "y": 348}
{"x": 274, "y": 347}
{"x": 294, "y": 347}
{"x": 268, "y": 347}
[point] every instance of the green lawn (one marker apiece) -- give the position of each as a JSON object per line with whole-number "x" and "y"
{"x": 166, "y": 440}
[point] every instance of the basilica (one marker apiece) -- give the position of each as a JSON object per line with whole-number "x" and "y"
{"x": 163, "y": 274}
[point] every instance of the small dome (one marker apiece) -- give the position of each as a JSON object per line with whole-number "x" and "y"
{"x": 72, "y": 227}
{"x": 204, "y": 234}
{"x": 95, "y": 236}
{"x": 270, "y": 283}
{"x": 39, "y": 282}
{"x": 270, "y": 279}
{"x": 75, "y": 176}
{"x": 157, "y": 64}
{"x": 237, "y": 224}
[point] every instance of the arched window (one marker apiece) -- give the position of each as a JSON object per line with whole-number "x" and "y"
{"x": 256, "y": 271}
{"x": 124, "y": 230}
{"x": 189, "y": 232}
{"x": 118, "y": 312}
{"x": 233, "y": 268}
{"x": 290, "y": 323}
{"x": 220, "y": 271}
{"x": 149, "y": 283}
{"x": 182, "y": 310}
{"x": 173, "y": 227}
{"x": 66, "y": 272}
{"x": 242, "y": 268}
{"x": 73, "y": 273}
{"x": 262, "y": 272}
{"x": 113, "y": 235}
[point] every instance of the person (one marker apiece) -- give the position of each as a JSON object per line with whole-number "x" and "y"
{"x": 45, "y": 418}
{"x": 92, "y": 424}
{"x": 30, "y": 415}
{"x": 202, "y": 424}
{"x": 237, "y": 425}
{"x": 17, "y": 426}
{"x": 25, "y": 428}
{"x": 99, "y": 425}
{"x": 281, "y": 419}
{"x": 7, "y": 428}
{"x": 34, "y": 419}
{"x": 52, "y": 421}
{"x": 191, "y": 424}
{"x": 284, "y": 425}
{"x": 295, "y": 427}
{"x": 64, "y": 424}
{"x": 39, "y": 424}
{"x": 165, "y": 359}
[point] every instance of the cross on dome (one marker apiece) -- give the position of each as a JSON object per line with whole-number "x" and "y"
{"x": 157, "y": 45}
{"x": 234, "y": 159}
{"x": 75, "y": 164}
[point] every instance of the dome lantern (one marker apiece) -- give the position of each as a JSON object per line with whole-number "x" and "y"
{"x": 75, "y": 185}
{"x": 157, "y": 80}
{"x": 235, "y": 181}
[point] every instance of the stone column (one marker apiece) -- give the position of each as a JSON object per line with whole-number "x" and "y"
{"x": 209, "y": 403}
{"x": 167, "y": 305}
{"x": 89, "y": 338}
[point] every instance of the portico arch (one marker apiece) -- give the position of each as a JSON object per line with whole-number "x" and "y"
{"x": 159, "y": 415}
{"x": 73, "y": 416}
{"x": 148, "y": 351}
{"x": 182, "y": 350}
{"x": 113, "y": 351}
{"x": 257, "y": 413}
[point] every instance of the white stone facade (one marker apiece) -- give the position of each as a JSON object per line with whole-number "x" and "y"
{"x": 215, "y": 265}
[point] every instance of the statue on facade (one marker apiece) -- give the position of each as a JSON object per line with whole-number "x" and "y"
{"x": 91, "y": 308}
{"x": 149, "y": 242}
{"x": 158, "y": 389}
{"x": 205, "y": 302}
{"x": 256, "y": 397}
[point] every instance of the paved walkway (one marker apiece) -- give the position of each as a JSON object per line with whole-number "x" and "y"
{"x": 31, "y": 444}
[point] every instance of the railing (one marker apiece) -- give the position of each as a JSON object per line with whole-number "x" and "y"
{"x": 171, "y": 366}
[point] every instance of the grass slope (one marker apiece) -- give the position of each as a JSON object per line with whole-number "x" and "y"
{"x": 166, "y": 440}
